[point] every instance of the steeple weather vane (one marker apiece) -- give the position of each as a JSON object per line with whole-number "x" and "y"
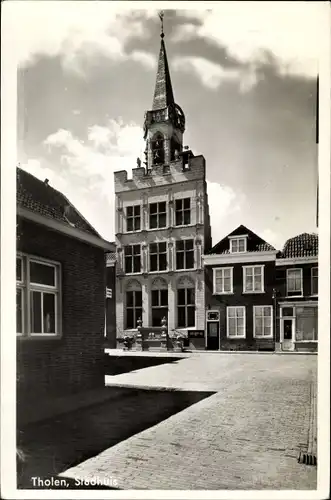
{"x": 161, "y": 16}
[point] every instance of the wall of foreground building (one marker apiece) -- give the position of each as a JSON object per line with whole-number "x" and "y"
{"x": 74, "y": 361}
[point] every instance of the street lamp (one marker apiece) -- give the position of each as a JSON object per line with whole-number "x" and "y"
{"x": 274, "y": 297}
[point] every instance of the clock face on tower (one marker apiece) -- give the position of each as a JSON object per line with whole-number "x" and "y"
{"x": 180, "y": 117}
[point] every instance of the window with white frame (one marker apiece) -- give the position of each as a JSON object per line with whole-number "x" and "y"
{"x": 157, "y": 215}
{"x": 262, "y": 319}
{"x": 237, "y": 245}
{"x": 132, "y": 254}
{"x": 184, "y": 254}
{"x": 158, "y": 256}
{"x": 253, "y": 279}
{"x": 37, "y": 296}
{"x": 236, "y": 327}
{"x": 294, "y": 282}
{"x": 223, "y": 280}
{"x": 133, "y": 218}
{"x": 314, "y": 281}
{"x": 183, "y": 212}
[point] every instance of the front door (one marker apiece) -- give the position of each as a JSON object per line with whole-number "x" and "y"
{"x": 213, "y": 335}
{"x": 287, "y": 340}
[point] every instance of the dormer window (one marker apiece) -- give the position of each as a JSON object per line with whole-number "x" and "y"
{"x": 238, "y": 245}
{"x": 158, "y": 149}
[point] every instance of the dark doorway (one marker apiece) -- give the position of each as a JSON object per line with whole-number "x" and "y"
{"x": 213, "y": 335}
{"x": 287, "y": 329}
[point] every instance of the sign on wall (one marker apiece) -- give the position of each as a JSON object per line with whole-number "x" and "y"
{"x": 196, "y": 334}
{"x": 213, "y": 316}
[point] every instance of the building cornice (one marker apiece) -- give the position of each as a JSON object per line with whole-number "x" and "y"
{"x": 237, "y": 236}
{"x": 297, "y": 260}
{"x": 58, "y": 226}
{"x": 239, "y": 258}
{"x": 297, "y": 303}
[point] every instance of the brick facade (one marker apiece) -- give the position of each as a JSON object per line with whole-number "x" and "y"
{"x": 239, "y": 298}
{"x": 307, "y": 303}
{"x": 294, "y": 317}
{"x": 73, "y": 362}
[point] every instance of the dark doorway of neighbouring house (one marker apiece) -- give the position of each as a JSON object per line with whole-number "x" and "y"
{"x": 53, "y": 446}
{"x": 213, "y": 335}
{"x": 287, "y": 329}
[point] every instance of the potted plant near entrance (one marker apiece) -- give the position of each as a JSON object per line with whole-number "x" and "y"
{"x": 127, "y": 342}
{"x": 178, "y": 341}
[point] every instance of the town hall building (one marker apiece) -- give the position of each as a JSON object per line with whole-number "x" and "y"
{"x": 162, "y": 225}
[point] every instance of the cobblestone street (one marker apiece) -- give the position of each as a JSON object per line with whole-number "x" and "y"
{"x": 246, "y": 436}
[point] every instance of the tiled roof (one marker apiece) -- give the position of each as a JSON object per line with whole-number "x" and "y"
{"x": 303, "y": 245}
{"x": 264, "y": 247}
{"x": 254, "y": 242}
{"x": 39, "y": 197}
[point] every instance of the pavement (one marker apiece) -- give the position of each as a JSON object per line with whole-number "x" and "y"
{"x": 248, "y": 435}
{"x": 54, "y": 445}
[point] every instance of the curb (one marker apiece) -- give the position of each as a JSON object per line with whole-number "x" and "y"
{"x": 157, "y": 388}
{"x": 186, "y": 354}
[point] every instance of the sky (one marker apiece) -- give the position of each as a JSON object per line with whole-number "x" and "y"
{"x": 244, "y": 74}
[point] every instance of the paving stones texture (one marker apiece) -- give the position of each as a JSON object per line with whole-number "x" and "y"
{"x": 246, "y": 436}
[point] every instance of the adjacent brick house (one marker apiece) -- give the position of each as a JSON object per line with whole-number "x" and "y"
{"x": 162, "y": 226}
{"x": 61, "y": 285}
{"x": 296, "y": 283}
{"x": 239, "y": 282}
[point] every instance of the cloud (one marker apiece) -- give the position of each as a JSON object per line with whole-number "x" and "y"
{"x": 270, "y": 237}
{"x": 212, "y": 75}
{"x": 76, "y": 31}
{"x": 145, "y": 58}
{"x": 291, "y": 31}
{"x": 84, "y": 169}
{"x": 224, "y": 203}
{"x": 273, "y": 238}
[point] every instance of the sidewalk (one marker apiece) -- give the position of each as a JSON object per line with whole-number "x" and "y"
{"x": 186, "y": 353}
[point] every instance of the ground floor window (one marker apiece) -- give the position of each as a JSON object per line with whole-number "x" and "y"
{"x": 133, "y": 308}
{"x": 236, "y": 322}
{"x": 306, "y": 323}
{"x": 262, "y": 319}
{"x": 185, "y": 307}
{"x": 37, "y": 296}
{"x": 159, "y": 306}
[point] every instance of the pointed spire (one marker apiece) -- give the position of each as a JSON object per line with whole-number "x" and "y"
{"x": 163, "y": 94}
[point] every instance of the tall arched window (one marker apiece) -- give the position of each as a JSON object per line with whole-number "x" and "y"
{"x": 185, "y": 303}
{"x": 174, "y": 149}
{"x": 159, "y": 301}
{"x": 158, "y": 149}
{"x": 133, "y": 303}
